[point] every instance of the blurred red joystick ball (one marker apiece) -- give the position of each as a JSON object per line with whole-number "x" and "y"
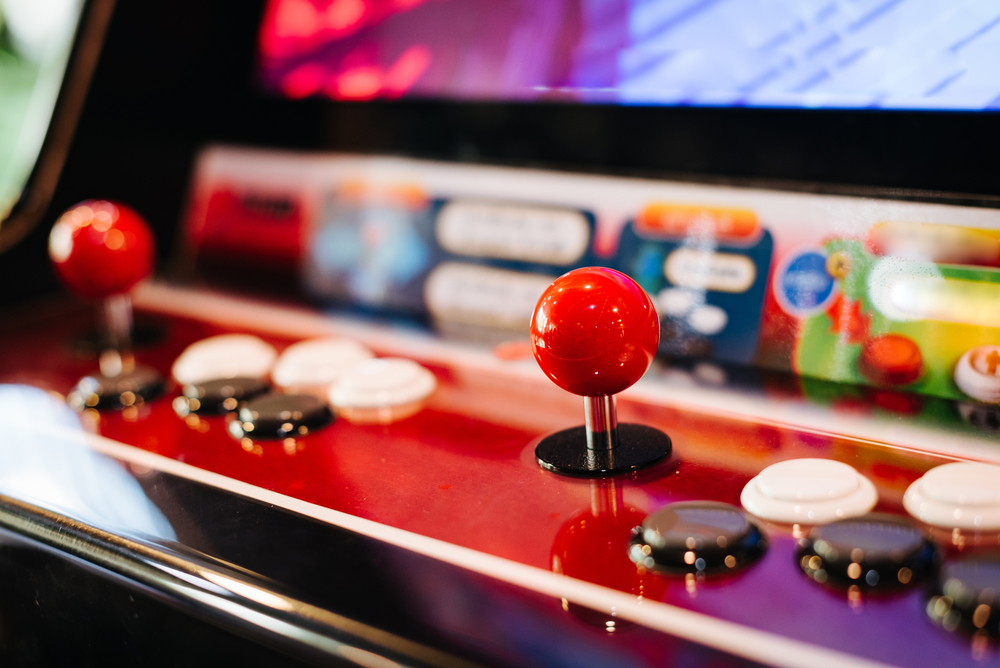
{"x": 101, "y": 248}
{"x": 594, "y": 331}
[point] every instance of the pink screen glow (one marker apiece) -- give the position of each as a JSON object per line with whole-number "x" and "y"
{"x": 364, "y": 49}
{"x": 895, "y": 54}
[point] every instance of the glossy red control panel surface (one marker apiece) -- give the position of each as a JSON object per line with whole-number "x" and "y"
{"x": 462, "y": 471}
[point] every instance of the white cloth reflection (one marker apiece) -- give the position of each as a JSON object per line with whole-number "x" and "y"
{"x": 44, "y": 460}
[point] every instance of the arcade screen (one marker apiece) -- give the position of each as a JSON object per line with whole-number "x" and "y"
{"x": 886, "y": 54}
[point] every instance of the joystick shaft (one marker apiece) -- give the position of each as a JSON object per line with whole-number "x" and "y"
{"x": 118, "y": 357}
{"x": 601, "y": 422}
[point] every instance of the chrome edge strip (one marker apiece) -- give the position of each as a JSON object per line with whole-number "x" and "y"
{"x": 220, "y": 593}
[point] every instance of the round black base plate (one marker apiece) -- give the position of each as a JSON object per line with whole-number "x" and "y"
{"x": 132, "y": 388}
{"x": 566, "y": 451}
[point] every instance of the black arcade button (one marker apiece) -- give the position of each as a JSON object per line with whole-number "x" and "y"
{"x": 217, "y": 396}
{"x": 965, "y": 595}
{"x": 696, "y": 537}
{"x": 873, "y": 552}
{"x": 273, "y": 416}
{"x": 128, "y": 389}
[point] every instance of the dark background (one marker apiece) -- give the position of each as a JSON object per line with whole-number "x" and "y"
{"x": 174, "y": 77}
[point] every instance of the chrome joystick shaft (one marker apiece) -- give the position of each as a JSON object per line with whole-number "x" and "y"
{"x": 118, "y": 358}
{"x": 601, "y": 421}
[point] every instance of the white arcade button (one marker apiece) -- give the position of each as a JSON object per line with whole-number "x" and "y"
{"x": 311, "y": 366}
{"x": 382, "y": 390}
{"x": 808, "y": 491}
{"x": 961, "y": 495}
{"x": 978, "y": 373}
{"x": 224, "y": 356}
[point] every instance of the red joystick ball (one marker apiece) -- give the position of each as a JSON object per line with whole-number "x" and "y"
{"x": 100, "y": 248}
{"x": 594, "y": 332}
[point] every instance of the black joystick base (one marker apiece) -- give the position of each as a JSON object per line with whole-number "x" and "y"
{"x": 566, "y": 451}
{"x": 127, "y": 389}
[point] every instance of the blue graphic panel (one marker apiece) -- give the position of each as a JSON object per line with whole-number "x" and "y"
{"x": 372, "y": 255}
{"x": 712, "y": 308}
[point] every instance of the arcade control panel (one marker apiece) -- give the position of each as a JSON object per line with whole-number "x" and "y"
{"x": 860, "y": 292}
{"x": 699, "y": 532}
